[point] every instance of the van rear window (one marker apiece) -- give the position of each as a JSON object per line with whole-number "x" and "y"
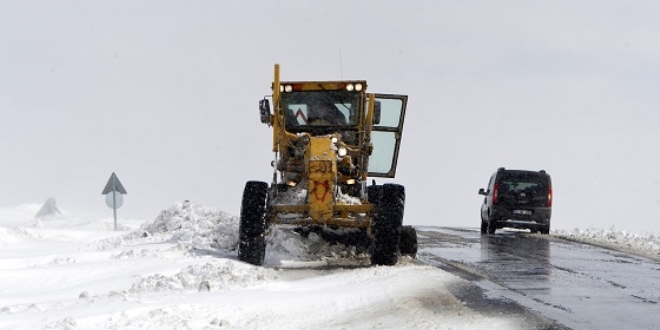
{"x": 530, "y": 183}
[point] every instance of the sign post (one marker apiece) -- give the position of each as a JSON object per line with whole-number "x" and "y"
{"x": 114, "y": 195}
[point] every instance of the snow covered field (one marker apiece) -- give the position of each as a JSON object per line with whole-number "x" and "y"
{"x": 179, "y": 271}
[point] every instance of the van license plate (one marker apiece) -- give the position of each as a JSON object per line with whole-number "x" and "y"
{"x": 523, "y": 212}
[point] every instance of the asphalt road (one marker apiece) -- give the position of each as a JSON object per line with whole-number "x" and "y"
{"x": 577, "y": 286}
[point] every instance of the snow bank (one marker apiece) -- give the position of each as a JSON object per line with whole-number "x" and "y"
{"x": 194, "y": 225}
{"x": 198, "y": 227}
{"x": 647, "y": 245}
{"x": 17, "y": 234}
{"x": 222, "y": 275}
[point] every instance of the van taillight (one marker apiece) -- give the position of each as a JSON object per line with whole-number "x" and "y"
{"x": 496, "y": 187}
{"x": 550, "y": 196}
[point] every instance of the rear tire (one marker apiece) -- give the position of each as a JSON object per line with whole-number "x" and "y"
{"x": 387, "y": 226}
{"x": 408, "y": 244}
{"x": 252, "y": 226}
{"x": 545, "y": 230}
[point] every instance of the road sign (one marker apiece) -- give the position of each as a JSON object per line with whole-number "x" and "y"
{"x": 114, "y": 185}
{"x": 114, "y": 200}
{"x": 114, "y": 192}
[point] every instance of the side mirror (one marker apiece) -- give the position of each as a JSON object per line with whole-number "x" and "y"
{"x": 482, "y": 192}
{"x": 264, "y": 111}
{"x": 377, "y": 113}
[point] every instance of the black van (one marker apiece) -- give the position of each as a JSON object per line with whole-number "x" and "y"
{"x": 517, "y": 199}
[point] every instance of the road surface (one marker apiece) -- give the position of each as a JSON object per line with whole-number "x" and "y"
{"x": 577, "y": 285}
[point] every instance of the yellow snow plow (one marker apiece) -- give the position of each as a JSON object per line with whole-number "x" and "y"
{"x": 329, "y": 138}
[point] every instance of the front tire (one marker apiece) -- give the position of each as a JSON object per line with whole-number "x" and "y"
{"x": 252, "y": 226}
{"x": 388, "y": 223}
{"x": 484, "y": 225}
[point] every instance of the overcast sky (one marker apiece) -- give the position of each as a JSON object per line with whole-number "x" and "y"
{"x": 165, "y": 94}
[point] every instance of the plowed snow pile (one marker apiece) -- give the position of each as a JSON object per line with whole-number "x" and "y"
{"x": 647, "y": 244}
{"x": 201, "y": 228}
{"x": 180, "y": 271}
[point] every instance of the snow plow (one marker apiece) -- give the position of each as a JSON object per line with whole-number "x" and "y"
{"x": 329, "y": 139}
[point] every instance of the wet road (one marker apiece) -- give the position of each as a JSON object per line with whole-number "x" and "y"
{"x": 579, "y": 286}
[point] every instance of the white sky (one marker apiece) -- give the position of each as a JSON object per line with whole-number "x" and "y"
{"x": 164, "y": 93}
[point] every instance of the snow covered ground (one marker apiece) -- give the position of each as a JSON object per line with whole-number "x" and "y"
{"x": 179, "y": 271}
{"x": 647, "y": 244}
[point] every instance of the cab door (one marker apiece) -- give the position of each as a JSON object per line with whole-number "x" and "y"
{"x": 386, "y": 135}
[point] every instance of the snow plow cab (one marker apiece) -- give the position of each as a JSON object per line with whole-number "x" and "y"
{"x": 329, "y": 138}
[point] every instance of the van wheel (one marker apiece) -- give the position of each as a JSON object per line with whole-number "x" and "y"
{"x": 491, "y": 226}
{"x": 484, "y": 225}
{"x": 545, "y": 230}
{"x": 252, "y": 226}
{"x": 387, "y": 226}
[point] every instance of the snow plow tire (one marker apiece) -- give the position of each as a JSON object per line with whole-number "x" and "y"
{"x": 408, "y": 244}
{"x": 387, "y": 226}
{"x": 375, "y": 193}
{"x": 252, "y": 226}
